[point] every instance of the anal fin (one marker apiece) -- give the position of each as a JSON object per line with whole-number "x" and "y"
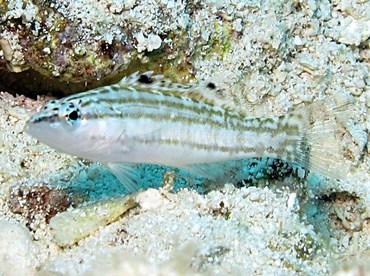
{"x": 125, "y": 174}
{"x": 210, "y": 171}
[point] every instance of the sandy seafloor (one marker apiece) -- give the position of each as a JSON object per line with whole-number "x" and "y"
{"x": 293, "y": 224}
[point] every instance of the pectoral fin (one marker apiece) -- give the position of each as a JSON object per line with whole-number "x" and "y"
{"x": 125, "y": 174}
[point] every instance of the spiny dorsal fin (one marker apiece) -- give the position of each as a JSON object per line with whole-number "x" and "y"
{"x": 204, "y": 91}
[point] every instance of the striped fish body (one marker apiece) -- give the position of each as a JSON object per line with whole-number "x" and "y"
{"x": 155, "y": 128}
{"x": 144, "y": 120}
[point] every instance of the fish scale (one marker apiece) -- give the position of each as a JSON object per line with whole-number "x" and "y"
{"x": 146, "y": 119}
{"x": 191, "y": 124}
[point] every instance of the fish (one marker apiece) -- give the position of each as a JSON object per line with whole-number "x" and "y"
{"x": 146, "y": 118}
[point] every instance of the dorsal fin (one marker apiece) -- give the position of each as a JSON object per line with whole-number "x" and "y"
{"x": 204, "y": 91}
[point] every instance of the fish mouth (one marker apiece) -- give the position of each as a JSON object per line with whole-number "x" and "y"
{"x": 27, "y": 125}
{"x": 42, "y": 132}
{"x": 30, "y": 128}
{"x": 34, "y": 126}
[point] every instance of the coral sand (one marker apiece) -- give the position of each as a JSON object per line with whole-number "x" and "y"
{"x": 68, "y": 216}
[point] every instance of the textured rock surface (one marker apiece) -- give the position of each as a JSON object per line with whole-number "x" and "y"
{"x": 88, "y": 40}
{"x": 85, "y": 40}
{"x": 17, "y": 252}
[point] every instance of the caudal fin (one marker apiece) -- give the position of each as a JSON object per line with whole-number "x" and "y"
{"x": 322, "y": 149}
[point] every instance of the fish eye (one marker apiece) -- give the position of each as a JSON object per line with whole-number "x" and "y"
{"x": 73, "y": 116}
{"x": 71, "y": 113}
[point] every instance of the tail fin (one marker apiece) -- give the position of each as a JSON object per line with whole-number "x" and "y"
{"x": 322, "y": 149}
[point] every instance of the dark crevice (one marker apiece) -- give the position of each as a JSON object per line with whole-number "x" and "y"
{"x": 31, "y": 84}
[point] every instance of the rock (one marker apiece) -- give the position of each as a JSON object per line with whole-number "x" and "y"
{"x": 74, "y": 41}
{"x": 71, "y": 226}
{"x": 17, "y": 252}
